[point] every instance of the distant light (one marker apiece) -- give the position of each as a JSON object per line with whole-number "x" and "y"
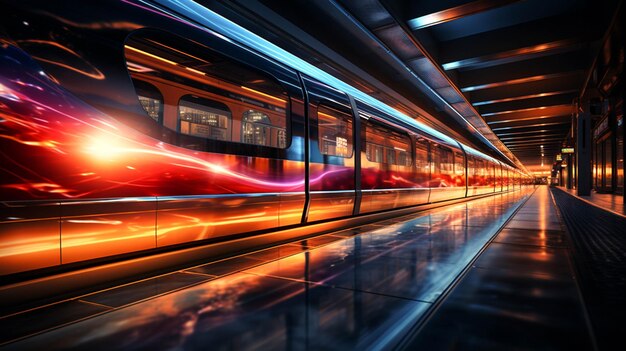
{"x": 542, "y": 146}
{"x": 542, "y": 155}
{"x": 25, "y": 23}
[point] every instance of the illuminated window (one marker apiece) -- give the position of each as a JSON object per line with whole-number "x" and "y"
{"x": 150, "y": 99}
{"x": 220, "y": 99}
{"x": 204, "y": 118}
{"x": 445, "y": 159}
{"x": 257, "y": 129}
{"x": 382, "y": 145}
{"x": 334, "y": 131}
{"x": 459, "y": 165}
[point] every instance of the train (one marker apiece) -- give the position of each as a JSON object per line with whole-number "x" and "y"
{"x": 133, "y": 126}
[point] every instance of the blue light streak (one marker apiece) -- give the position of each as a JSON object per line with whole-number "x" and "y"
{"x": 231, "y": 31}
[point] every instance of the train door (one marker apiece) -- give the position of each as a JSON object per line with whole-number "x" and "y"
{"x": 331, "y": 140}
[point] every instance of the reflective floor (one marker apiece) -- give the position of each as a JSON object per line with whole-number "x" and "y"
{"x": 520, "y": 294}
{"x": 610, "y": 202}
{"x": 362, "y": 288}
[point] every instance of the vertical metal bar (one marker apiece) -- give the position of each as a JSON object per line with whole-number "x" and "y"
{"x": 307, "y": 152}
{"x": 357, "y": 156}
{"x": 583, "y": 151}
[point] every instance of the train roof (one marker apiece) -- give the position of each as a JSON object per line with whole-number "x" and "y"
{"x": 232, "y": 32}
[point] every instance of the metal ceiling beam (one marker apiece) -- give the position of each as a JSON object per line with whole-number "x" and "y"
{"x": 566, "y": 26}
{"x": 515, "y": 55}
{"x": 546, "y": 146}
{"x": 557, "y": 128}
{"x": 554, "y": 100}
{"x": 537, "y": 146}
{"x": 521, "y": 80}
{"x": 527, "y": 97}
{"x": 532, "y": 125}
{"x": 548, "y": 83}
{"x": 535, "y": 142}
{"x": 522, "y": 121}
{"x": 456, "y": 12}
{"x": 531, "y": 137}
{"x": 546, "y": 130}
{"x": 566, "y": 62}
{"x": 546, "y": 110}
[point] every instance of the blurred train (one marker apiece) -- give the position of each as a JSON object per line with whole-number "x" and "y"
{"x": 137, "y": 125}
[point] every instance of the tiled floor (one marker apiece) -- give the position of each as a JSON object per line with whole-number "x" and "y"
{"x": 520, "y": 294}
{"x": 358, "y": 288}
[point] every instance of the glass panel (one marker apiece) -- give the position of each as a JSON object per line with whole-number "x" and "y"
{"x": 150, "y": 99}
{"x": 383, "y": 145}
{"x": 219, "y": 98}
{"x": 619, "y": 156}
{"x": 459, "y": 165}
{"x": 422, "y": 165}
{"x": 257, "y": 129}
{"x": 444, "y": 166}
{"x": 471, "y": 169}
{"x": 608, "y": 164}
{"x": 204, "y": 118}
{"x": 334, "y": 131}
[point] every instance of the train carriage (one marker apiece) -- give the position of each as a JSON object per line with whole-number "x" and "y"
{"x": 164, "y": 126}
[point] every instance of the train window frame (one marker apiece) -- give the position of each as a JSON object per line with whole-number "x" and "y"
{"x": 240, "y": 91}
{"x": 348, "y": 138}
{"x": 385, "y": 150}
{"x": 151, "y": 89}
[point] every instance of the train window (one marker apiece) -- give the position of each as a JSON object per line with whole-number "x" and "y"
{"x": 150, "y": 99}
{"x": 421, "y": 155}
{"x": 219, "y": 98}
{"x": 334, "y": 131}
{"x": 471, "y": 171}
{"x": 459, "y": 169}
{"x": 422, "y": 163}
{"x": 257, "y": 129}
{"x": 204, "y": 118}
{"x": 459, "y": 164}
{"x": 443, "y": 159}
{"x": 446, "y": 160}
{"x": 382, "y": 145}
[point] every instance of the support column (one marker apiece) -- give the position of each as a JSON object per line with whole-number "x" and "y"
{"x": 569, "y": 181}
{"x": 583, "y": 150}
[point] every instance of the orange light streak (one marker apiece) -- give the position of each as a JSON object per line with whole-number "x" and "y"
{"x": 263, "y": 94}
{"x": 150, "y": 55}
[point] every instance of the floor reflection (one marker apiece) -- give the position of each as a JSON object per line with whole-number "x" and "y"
{"x": 357, "y": 290}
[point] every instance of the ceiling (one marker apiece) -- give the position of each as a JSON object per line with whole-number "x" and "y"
{"x": 502, "y": 74}
{"x": 521, "y": 64}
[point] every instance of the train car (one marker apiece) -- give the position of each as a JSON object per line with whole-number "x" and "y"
{"x": 135, "y": 126}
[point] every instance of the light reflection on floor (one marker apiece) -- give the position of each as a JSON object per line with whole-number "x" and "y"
{"x": 355, "y": 292}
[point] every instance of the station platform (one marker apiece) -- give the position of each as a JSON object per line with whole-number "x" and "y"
{"x": 609, "y": 202}
{"x": 595, "y": 226}
{"x": 489, "y": 273}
